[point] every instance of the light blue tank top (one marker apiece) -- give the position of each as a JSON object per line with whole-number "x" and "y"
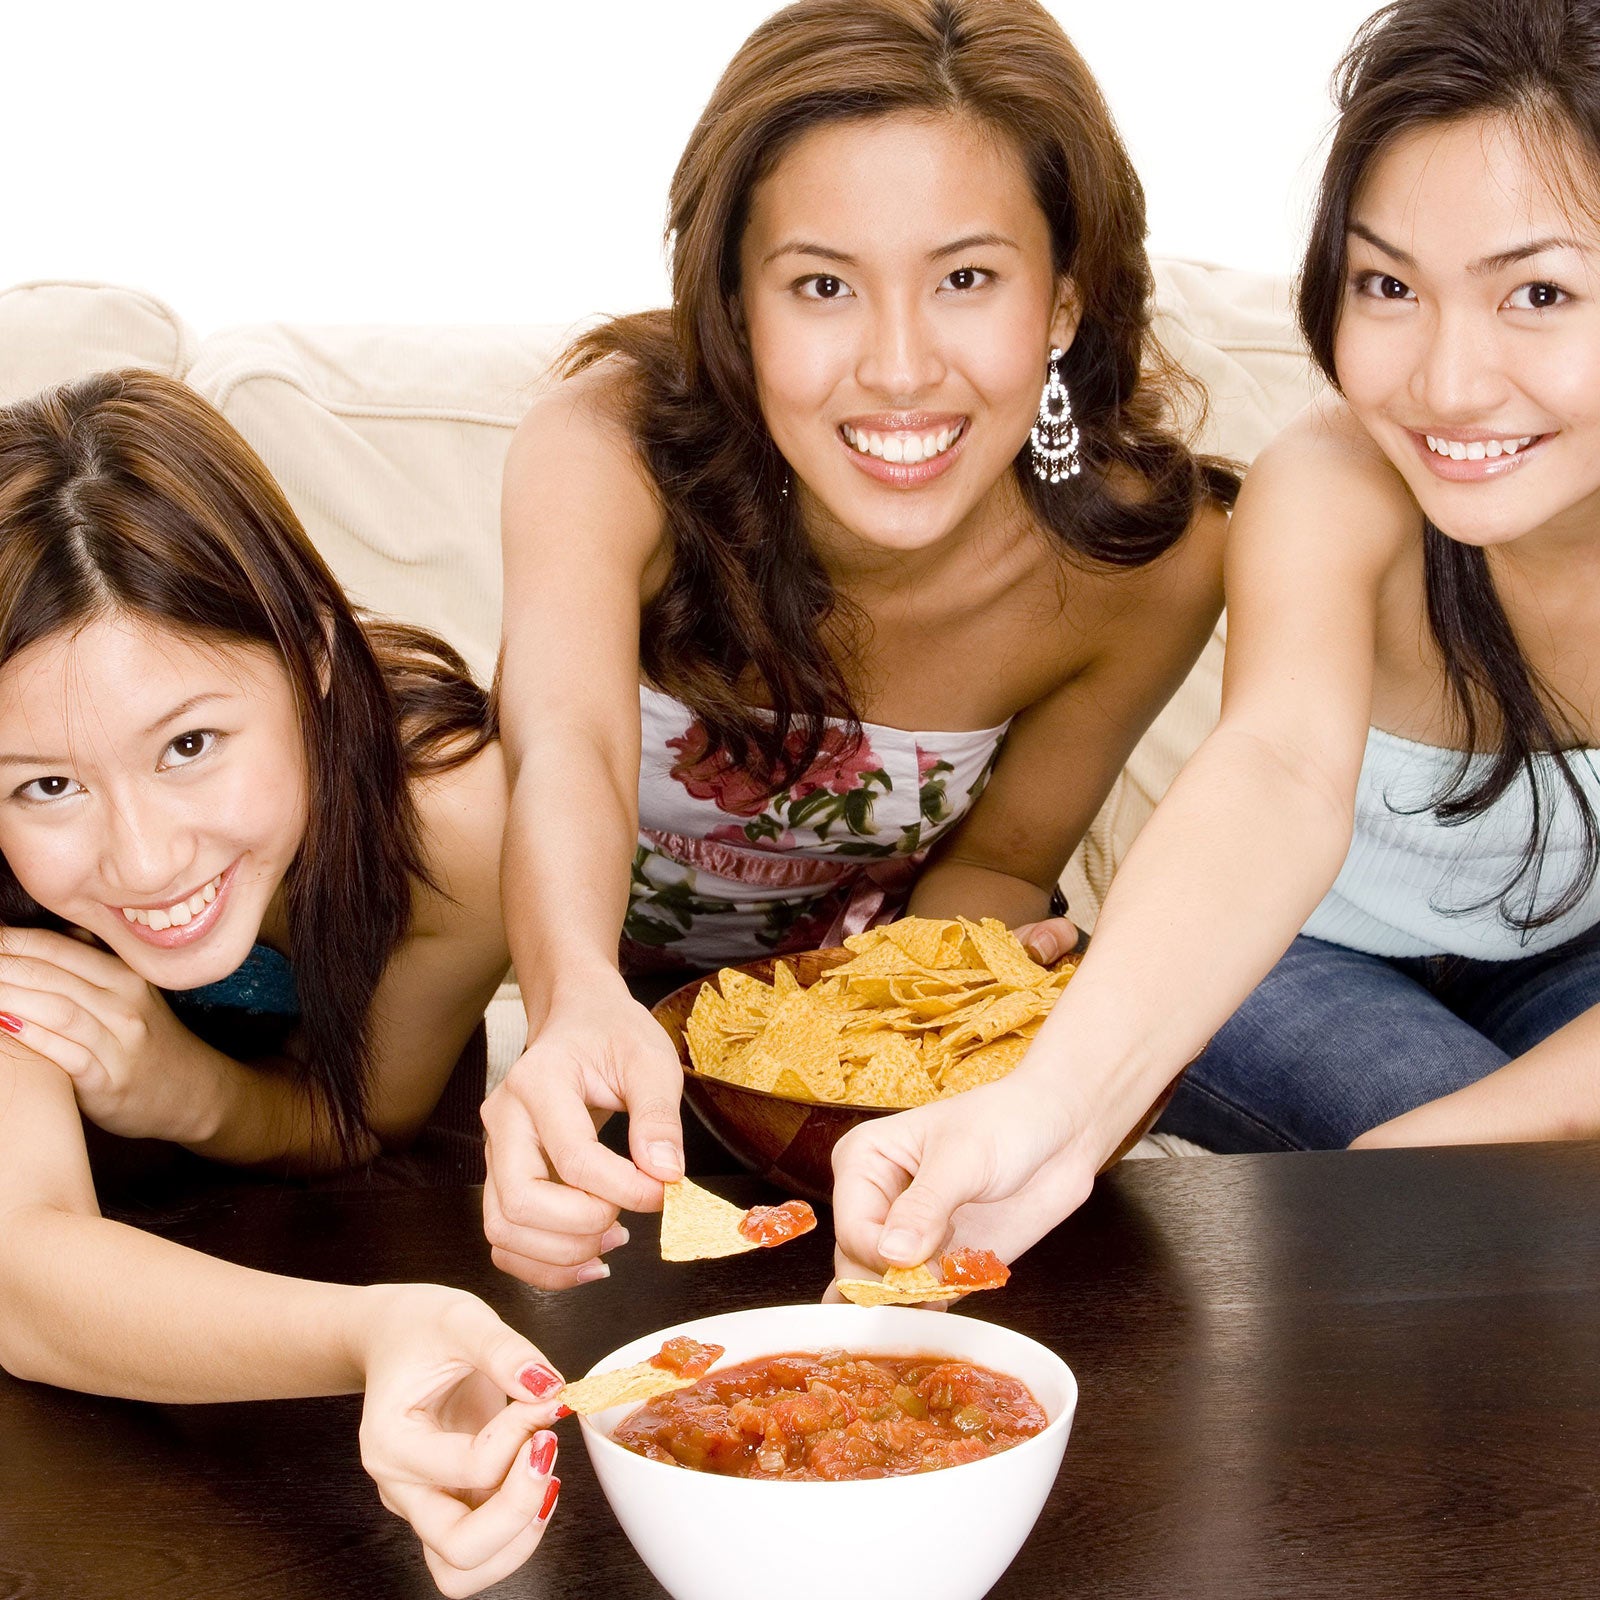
{"x": 1407, "y": 872}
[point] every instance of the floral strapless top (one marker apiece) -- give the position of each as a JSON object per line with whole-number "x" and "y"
{"x": 723, "y": 875}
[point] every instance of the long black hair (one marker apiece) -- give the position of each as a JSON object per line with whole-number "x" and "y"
{"x": 1535, "y": 63}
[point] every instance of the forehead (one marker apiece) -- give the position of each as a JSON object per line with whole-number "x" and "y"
{"x": 1459, "y": 184}
{"x": 119, "y": 672}
{"x": 885, "y": 179}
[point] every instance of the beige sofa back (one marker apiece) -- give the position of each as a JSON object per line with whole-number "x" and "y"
{"x": 389, "y": 443}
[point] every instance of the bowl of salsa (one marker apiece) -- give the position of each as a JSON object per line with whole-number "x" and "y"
{"x": 883, "y": 1451}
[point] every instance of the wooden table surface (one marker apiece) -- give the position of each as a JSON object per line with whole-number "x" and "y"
{"x": 1347, "y": 1375}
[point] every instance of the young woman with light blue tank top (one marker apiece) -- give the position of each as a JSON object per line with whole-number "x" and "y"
{"x": 1369, "y": 903}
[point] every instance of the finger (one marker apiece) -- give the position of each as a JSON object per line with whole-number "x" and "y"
{"x": 565, "y": 1131}
{"x": 555, "y": 1247}
{"x": 463, "y": 1537}
{"x": 870, "y": 1171}
{"x": 75, "y": 1059}
{"x": 918, "y": 1223}
{"x": 50, "y": 1007}
{"x": 502, "y": 1564}
{"x": 1048, "y": 941}
{"x": 530, "y": 1200}
{"x": 430, "y": 1457}
{"x": 86, "y": 961}
{"x": 652, "y": 1092}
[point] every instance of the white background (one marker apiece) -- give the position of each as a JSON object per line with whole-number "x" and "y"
{"x": 345, "y": 161}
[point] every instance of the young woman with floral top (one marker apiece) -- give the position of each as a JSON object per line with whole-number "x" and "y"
{"x": 758, "y": 545}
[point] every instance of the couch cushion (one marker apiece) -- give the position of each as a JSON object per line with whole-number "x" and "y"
{"x": 51, "y": 333}
{"x": 389, "y": 443}
{"x": 1235, "y": 332}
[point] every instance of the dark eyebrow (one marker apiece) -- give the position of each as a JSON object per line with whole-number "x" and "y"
{"x": 179, "y": 710}
{"x": 971, "y": 241}
{"x": 1485, "y": 264}
{"x": 802, "y": 247}
{"x": 974, "y": 241}
{"x": 150, "y": 732}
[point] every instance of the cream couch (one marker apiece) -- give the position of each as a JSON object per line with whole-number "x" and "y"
{"x": 389, "y": 443}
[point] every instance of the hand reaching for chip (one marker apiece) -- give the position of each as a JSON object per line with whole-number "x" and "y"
{"x": 553, "y": 1191}
{"x": 996, "y": 1167}
{"x": 1049, "y": 941}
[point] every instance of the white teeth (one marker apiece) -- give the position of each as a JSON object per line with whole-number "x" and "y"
{"x": 900, "y": 448}
{"x": 179, "y": 915}
{"x": 1476, "y": 449}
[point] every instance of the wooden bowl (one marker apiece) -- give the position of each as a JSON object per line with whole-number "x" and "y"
{"x": 790, "y": 1142}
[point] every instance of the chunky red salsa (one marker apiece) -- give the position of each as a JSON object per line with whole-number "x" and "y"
{"x": 977, "y": 1269}
{"x": 686, "y": 1357}
{"x": 770, "y": 1225}
{"x": 834, "y": 1415}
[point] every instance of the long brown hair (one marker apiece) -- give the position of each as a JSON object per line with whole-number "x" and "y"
{"x": 126, "y": 492}
{"x": 1535, "y": 63}
{"x": 745, "y": 596}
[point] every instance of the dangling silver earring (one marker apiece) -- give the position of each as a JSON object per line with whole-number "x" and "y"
{"x": 1055, "y": 435}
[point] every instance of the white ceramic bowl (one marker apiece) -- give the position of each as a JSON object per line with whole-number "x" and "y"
{"x": 707, "y": 1537}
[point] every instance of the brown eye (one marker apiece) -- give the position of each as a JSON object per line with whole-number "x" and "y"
{"x": 189, "y": 746}
{"x": 826, "y": 288}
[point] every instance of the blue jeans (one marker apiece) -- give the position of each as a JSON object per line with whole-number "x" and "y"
{"x": 1333, "y": 1042}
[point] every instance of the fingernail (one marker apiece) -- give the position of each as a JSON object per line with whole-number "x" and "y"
{"x": 540, "y": 1382}
{"x": 10, "y": 1023}
{"x": 664, "y": 1157}
{"x": 897, "y": 1245}
{"x": 544, "y": 1454}
{"x": 614, "y": 1236}
{"x": 593, "y": 1271}
{"x": 551, "y": 1494}
{"x": 563, "y": 1411}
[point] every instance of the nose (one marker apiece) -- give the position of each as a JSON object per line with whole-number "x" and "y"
{"x": 900, "y": 357}
{"x": 149, "y": 845}
{"x": 1459, "y": 376}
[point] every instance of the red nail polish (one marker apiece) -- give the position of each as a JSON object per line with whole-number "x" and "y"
{"x": 544, "y": 1454}
{"x": 563, "y": 1411}
{"x": 552, "y": 1491}
{"x": 10, "y": 1023}
{"x": 540, "y": 1382}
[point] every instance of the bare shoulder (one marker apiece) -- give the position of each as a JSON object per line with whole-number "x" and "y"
{"x": 1324, "y": 486}
{"x": 461, "y": 817}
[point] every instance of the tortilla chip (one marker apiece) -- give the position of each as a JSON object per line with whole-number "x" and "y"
{"x": 899, "y": 1286}
{"x": 984, "y": 1065}
{"x": 1001, "y": 952}
{"x": 697, "y": 1225}
{"x": 625, "y": 1386}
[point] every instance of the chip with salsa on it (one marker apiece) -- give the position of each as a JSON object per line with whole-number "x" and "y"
{"x": 832, "y": 1415}
{"x": 697, "y": 1225}
{"x": 677, "y": 1364}
{"x": 965, "y": 1272}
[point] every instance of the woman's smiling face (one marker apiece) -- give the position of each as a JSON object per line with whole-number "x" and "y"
{"x": 1469, "y": 340}
{"x": 153, "y": 791}
{"x": 898, "y": 291}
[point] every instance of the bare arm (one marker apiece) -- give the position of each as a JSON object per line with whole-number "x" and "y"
{"x": 583, "y": 537}
{"x": 1222, "y": 877}
{"x": 1550, "y": 1092}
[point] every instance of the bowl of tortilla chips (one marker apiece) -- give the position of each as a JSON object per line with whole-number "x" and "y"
{"x": 784, "y": 1056}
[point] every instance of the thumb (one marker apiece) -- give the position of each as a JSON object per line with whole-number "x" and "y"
{"x": 918, "y": 1223}
{"x": 651, "y": 1094}
{"x": 513, "y": 1362}
{"x": 1048, "y": 941}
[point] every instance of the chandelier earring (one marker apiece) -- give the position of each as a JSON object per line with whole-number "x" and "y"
{"x": 1054, "y": 439}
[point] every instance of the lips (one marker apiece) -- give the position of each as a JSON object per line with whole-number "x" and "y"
{"x": 1478, "y": 456}
{"x": 904, "y": 450}
{"x": 178, "y": 923}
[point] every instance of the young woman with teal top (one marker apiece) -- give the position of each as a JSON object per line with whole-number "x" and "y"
{"x": 1370, "y": 904}
{"x": 229, "y": 807}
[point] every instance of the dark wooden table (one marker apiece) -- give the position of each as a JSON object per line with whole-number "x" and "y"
{"x": 1313, "y": 1375}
